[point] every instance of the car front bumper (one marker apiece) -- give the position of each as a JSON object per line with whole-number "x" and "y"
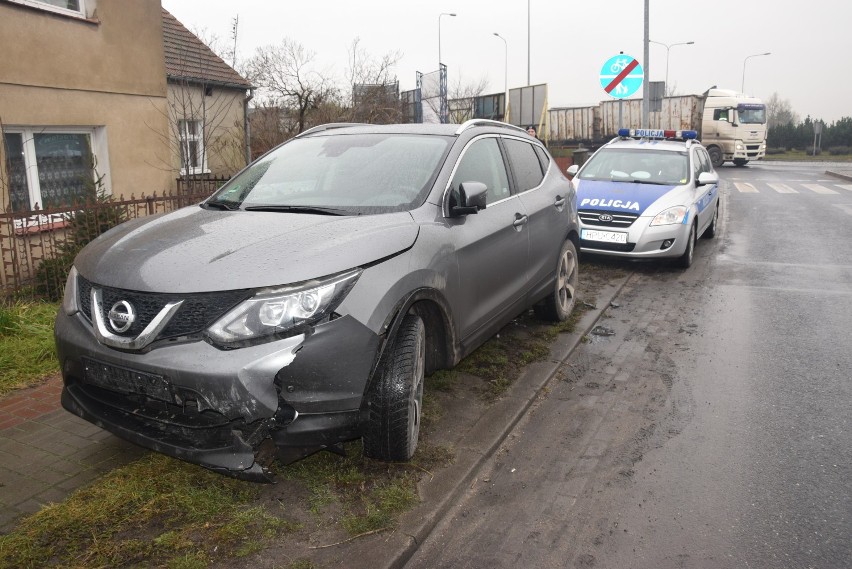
{"x": 643, "y": 240}
{"x": 226, "y": 410}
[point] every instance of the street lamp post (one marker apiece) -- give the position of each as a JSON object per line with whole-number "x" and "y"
{"x": 439, "y": 34}
{"x": 505, "y": 73}
{"x": 668, "y": 47}
{"x": 742, "y": 86}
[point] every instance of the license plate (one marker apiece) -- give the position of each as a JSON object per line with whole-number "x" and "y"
{"x": 125, "y": 380}
{"x": 605, "y": 236}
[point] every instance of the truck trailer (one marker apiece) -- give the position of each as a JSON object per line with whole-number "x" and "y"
{"x": 731, "y": 125}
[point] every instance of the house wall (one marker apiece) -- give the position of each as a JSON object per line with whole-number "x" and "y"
{"x": 222, "y": 114}
{"x": 106, "y": 71}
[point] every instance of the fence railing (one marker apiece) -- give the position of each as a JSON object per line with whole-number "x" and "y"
{"x": 35, "y": 245}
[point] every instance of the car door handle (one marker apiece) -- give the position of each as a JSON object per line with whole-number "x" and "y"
{"x": 520, "y": 220}
{"x": 559, "y": 202}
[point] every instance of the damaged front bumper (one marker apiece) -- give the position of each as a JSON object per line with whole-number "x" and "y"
{"x": 231, "y": 411}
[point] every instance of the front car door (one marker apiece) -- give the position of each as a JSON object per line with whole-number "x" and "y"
{"x": 491, "y": 247}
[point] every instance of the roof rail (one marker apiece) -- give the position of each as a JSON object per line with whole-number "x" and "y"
{"x": 329, "y": 126}
{"x": 486, "y": 122}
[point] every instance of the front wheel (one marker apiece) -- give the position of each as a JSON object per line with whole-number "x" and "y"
{"x": 716, "y": 157}
{"x": 685, "y": 260}
{"x": 710, "y": 232}
{"x": 559, "y": 304}
{"x": 395, "y": 399}
{"x": 740, "y": 161}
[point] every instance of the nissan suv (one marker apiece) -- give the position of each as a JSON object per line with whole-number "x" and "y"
{"x": 301, "y": 305}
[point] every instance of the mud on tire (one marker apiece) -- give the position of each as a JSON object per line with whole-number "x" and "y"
{"x": 395, "y": 398}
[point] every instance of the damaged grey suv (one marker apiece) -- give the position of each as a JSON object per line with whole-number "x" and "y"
{"x": 302, "y": 304}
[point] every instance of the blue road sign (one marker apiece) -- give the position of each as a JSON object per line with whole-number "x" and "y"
{"x": 621, "y": 76}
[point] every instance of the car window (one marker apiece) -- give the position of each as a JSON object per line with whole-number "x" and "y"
{"x": 543, "y": 157}
{"x": 482, "y": 162}
{"x": 637, "y": 165}
{"x": 364, "y": 173}
{"x": 706, "y": 165}
{"x": 525, "y": 164}
{"x": 697, "y": 167}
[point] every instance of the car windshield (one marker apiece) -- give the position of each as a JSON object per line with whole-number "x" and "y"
{"x": 752, "y": 114}
{"x": 339, "y": 174}
{"x": 637, "y": 165}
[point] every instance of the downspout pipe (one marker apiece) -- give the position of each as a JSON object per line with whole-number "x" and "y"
{"x": 247, "y": 124}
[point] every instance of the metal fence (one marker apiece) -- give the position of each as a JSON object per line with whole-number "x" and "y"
{"x": 36, "y": 245}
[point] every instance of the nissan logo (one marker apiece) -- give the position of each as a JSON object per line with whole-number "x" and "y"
{"x": 605, "y": 217}
{"x": 121, "y": 316}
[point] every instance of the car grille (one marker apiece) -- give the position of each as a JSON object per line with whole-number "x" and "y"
{"x": 197, "y": 312}
{"x": 619, "y": 220}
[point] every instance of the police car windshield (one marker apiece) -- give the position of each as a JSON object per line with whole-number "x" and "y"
{"x": 638, "y": 165}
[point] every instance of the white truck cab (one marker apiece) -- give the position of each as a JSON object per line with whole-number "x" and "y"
{"x": 733, "y": 127}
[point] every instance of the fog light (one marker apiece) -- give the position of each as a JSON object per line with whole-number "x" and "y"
{"x": 667, "y": 243}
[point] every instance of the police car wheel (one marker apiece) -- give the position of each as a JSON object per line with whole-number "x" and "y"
{"x": 685, "y": 260}
{"x": 710, "y": 232}
{"x": 559, "y": 304}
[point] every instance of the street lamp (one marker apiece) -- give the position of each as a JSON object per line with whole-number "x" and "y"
{"x": 669, "y": 46}
{"x": 439, "y": 34}
{"x": 505, "y": 71}
{"x": 742, "y": 86}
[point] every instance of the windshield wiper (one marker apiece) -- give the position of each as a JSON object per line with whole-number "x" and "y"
{"x": 300, "y": 209}
{"x": 223, "y": 205}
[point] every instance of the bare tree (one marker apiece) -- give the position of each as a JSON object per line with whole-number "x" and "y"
{"x": 289, "y": 78}
{"x": 779, "y": 112}
{"x": 374, "y": 94}
{"x": 461, "y": 98}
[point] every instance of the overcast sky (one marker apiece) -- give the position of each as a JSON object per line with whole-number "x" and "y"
{"x": 810, "y": 42}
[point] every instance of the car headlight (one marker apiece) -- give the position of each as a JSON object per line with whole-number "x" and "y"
{"x": 671, "y": 216}
{"x": 274, "y": 311}
{"x": 740, "y": 146}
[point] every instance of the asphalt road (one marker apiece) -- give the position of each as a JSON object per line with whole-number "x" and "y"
{"x": 708, "y": 426}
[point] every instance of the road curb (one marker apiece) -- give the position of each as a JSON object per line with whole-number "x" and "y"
{"x": 447, "y": 486}
{"x": 847, "y": 175}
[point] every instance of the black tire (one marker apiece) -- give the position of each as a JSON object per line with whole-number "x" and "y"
{"x": 740, "y": 161}
{"x": 716, "y": 156}
{"x": 685, "y": 260}
{"x": 710, "y": 232}
{"x": 559, "y": 304}
{"x": 395, "y": 399}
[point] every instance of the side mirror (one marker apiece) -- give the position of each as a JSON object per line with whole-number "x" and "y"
{"x": 471, "y": 198}
{"x": 572, "y": 170}
{"x": 707, "y": 178}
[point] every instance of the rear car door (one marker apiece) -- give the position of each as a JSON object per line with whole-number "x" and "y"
{"x": 492, "y": 246}
{"x": 546, "y": 203}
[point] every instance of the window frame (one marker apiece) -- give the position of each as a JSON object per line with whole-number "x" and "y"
{"x": 184, "y": 138}
{"x": 98, "y": 147}
{"x": 80, "y": 13}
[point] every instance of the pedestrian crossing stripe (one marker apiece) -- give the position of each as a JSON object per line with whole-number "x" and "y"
{"x": 819, "y": 189}
{"x": 745, "y": 188}
{"x": 788, "y": 188}
{"x": 783, "y": 189}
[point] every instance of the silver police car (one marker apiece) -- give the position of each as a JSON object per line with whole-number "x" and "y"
{"x": 647, "y": 194}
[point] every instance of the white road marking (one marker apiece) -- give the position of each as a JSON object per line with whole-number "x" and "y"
{"x": 845, "y": 186}
{"x": 746, "y": 188}
{"x": 819, "y": 189}
{"x": 783, "y": 189}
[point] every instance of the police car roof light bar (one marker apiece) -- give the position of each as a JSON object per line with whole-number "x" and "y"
{"x": 656, "y": 133}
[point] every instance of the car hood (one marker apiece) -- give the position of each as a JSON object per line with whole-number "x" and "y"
{"x": 197, "y": 250}
{"x": 619, "y": 196}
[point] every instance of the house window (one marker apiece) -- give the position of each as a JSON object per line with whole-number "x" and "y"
{"x": 68, "y": 7}
{"x": 51, "y": 168}
{"x": 192, "y": 158}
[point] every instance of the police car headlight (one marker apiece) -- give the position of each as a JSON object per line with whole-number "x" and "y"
{"x": 671, "y": 216}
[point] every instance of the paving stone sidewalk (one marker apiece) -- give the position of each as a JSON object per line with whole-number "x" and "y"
{"x": 46, "y": 452}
